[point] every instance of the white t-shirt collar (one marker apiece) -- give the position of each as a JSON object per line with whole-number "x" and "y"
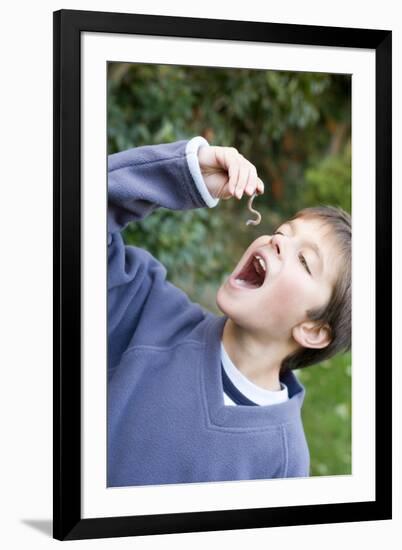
{"x": 255, "y": 393}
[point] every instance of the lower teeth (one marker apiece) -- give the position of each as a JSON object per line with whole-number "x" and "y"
{"x": 246, "y": 284}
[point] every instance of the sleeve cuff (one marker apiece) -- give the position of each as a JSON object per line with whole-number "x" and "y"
{"x": 193, "y": 165}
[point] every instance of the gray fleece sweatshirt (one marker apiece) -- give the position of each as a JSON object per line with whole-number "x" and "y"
{"x": 167, "y": 421}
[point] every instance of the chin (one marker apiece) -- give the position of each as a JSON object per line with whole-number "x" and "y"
{"x": 226, "y": 305}
{"x": 220, "y": 300}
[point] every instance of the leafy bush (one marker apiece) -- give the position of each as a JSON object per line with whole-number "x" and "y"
{"x": 329, "y": 181}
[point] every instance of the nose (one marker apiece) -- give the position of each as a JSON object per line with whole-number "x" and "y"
{"x": 276, "y": 244}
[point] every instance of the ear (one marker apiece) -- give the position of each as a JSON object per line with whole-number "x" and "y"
{"x": 310, "y": 334}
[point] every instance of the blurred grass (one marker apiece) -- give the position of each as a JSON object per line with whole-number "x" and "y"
{"x": 326, "y": 415}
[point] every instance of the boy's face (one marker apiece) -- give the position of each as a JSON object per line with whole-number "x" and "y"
{"x": 281, "y": 277}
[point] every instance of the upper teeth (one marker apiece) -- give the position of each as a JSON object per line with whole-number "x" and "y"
{"x": 261, "y": 262}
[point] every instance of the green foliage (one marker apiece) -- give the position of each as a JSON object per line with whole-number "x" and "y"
{"x": 284, "y": 122}
{"x": 329, "y": 181}
{"x": 245, "y": 108}
{"x": 295, "y": 128}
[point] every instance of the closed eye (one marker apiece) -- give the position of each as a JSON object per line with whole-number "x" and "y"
{"x": 301, "y": 257}
{"x": 303, "y": 261}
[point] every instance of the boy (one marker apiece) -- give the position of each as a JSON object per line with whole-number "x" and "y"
{"x": 193, "y": 397}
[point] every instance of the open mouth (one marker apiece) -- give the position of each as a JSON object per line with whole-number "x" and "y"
{"x": 254, "y": 273}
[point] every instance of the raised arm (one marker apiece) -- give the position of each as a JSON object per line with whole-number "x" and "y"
{"x": 145, "y": 178}
{"x": 143, "y": 308}
{"x": 139, "y": 297}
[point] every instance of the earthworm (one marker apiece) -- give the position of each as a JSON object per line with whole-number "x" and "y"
{"x": 250, "y": 207}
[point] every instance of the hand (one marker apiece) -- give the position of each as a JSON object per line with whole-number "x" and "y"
{"x": 227, "y": 173}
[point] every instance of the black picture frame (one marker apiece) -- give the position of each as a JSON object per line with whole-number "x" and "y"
{"x": 68, "y": 523}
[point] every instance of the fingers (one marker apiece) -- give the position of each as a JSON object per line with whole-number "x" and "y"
{"x": 260, "y": 186}
{"x": 233, "y": 168}
{"x": 243, "y": 177}
{"x": 241, "y": 173}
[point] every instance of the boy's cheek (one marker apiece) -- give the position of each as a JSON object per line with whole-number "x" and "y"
{"x": 287, "y": 300}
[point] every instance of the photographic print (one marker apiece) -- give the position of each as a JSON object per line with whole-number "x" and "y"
{"x": 195, "y": 395}
{"x": 219, "y": 341}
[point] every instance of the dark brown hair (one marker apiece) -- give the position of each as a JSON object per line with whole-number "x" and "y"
{"x": 337, "y": 313}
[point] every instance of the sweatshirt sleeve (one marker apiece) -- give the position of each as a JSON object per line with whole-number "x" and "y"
{"x": 143, "y": 308}
{"x": 145, "y": 178}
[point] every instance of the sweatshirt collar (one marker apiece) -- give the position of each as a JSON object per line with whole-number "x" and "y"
{"x": 242, "y": 417}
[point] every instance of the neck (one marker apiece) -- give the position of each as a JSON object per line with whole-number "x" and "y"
{"x": 259, "y": 361}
